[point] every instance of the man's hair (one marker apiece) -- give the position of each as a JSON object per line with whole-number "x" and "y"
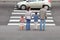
{"x": 43, "y": 6}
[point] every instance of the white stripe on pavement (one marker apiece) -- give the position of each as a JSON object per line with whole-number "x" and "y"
{"x": 24, "y": 17}
{"x": 31, "y": 10}
{"x": 32, "y": 13}
{"x": 15, "y": 8}
{"x": 14, "y": 20}
{"x": 31, "y": 20}
{"x": 31, "y": 24}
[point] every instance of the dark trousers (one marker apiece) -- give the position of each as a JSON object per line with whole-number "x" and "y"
{"x": 27, "y": 24}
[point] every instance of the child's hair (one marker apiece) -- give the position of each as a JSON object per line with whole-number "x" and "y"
{"x": 22, "y": 16}
{"x": 22, "y": 19}
{"x": 36, "y": 13}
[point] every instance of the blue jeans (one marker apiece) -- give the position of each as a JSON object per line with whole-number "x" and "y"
{"x": 42, "y": 25}
{"x": 27, "y": 24}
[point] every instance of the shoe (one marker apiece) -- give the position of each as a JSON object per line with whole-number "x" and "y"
{"x": 40, "y": 30}
{"x": 43, "y": 30}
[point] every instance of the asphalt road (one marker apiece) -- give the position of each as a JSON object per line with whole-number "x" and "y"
{"x": 5, "y": 12}
{"x": 56, "y": 15}
{"x": 13, "y": 32}
{"x": 56, "y": 12}
{"x": 6, "y": 9}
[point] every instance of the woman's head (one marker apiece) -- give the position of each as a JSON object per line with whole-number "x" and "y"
{"x": 28, "y": 8}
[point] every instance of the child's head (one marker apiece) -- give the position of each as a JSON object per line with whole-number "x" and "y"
{"x": 35, "y": 13}
{"x": 21, "y": 16}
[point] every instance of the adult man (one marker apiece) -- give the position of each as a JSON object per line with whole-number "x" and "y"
{"x": 43, "y": 17}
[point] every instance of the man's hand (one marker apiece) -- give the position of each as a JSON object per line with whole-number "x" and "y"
{"x": 45, "y": 17}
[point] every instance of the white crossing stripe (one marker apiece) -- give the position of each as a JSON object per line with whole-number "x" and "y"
{"x": 15, "y": 8}
{"x": 47, "y": 24}
{"x": 31, "y": 13}
{"x": 31, "y": 10}
{"x": 24, "y": 17}
{"x": 15, "y": 20}
{"x": 31, "y": 20}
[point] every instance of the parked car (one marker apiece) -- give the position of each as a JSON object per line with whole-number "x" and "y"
{"x": 34, "y": 4}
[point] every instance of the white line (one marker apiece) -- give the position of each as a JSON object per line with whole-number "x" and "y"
{"x": 32, "y": 13}
{"x": 49, "y": 13}
{"x": 31, "y": 24}
{"x": 15, "y": 8}
{"x": 24, "y": 17}
{"x": 49, "y": 17}
{"x": 31, "y": 20}
{"x": 15, "y": 17}
{"x": 39, "y": 10}
{"x": 31, "y": 10}
{"x": 14, "y": 20}
{"x": 18, "y": 13}
{"x": 13, "y": 23}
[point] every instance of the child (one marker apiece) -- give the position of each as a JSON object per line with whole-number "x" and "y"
{"x": 36, "y": 19}
{"x": 22, "y": 23}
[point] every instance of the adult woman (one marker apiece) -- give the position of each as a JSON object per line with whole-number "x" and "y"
{"x": 28, "y": 18}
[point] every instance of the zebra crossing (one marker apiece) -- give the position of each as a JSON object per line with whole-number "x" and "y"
{"x": 16, "y": 15}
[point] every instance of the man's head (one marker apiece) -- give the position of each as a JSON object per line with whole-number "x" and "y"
{"x": 42, "y": 6}
{"x": 45, "y": 7}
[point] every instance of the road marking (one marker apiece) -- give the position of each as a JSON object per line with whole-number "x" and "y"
{"x": 15, "y": 8}
{"x": 13, "y": 21}
{"x": 31, "y": 10}
{"x": 16, "y": 20}
{"x": 31, "y": 24}
{"x": 24, "y": 17}
{"x": 32, "y": 13}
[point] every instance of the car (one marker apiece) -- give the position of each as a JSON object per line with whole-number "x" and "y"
{"x": 34, "y": 4}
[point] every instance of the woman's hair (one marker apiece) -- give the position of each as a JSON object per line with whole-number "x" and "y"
{"x": 28, "y": 8}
